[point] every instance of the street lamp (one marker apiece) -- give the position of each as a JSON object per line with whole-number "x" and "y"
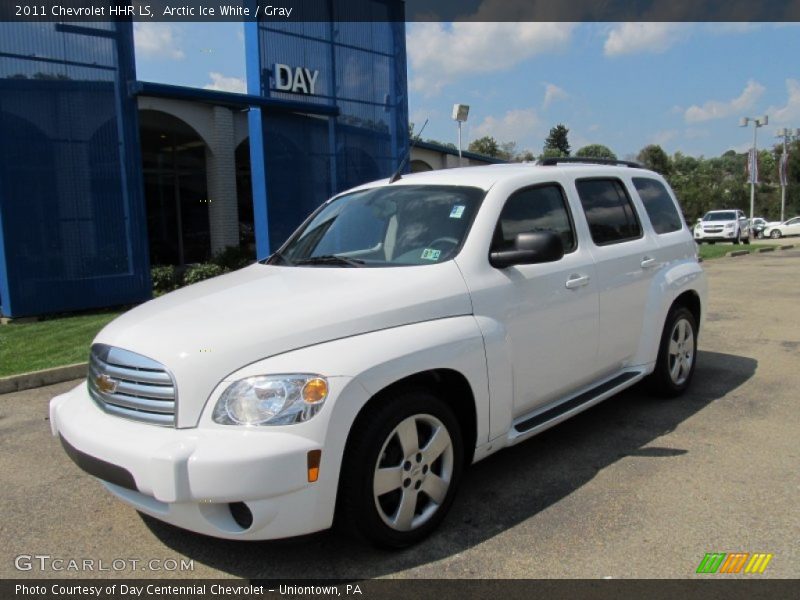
{"x": 460, "y": 114}
{"x": 757, "y": 122}
{"x": 787, "y": 136}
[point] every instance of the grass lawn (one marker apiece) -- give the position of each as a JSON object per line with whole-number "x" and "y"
{"x": 54, "y": 342}
{"x": 707, "y": 251}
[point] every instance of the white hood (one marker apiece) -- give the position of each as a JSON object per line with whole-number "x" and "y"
{"x": 204, "y": 332}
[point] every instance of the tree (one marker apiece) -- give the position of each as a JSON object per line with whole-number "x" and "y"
{"x": 525, "y": 156}
{"x": 654, "y": 158}
{"x": 486, "y": 145}
{"x": 596, "y": 151}
{"x": 508, "y": 150}
{"x": 557, "y": 140}
{"x": 552, "y": 153}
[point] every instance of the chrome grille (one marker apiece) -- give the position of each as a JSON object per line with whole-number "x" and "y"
{"x": 130, "y": 385}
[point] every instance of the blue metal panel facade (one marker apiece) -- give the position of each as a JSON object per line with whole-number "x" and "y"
{"x": 72, "y": 223}
{"x": 307, "y": 158}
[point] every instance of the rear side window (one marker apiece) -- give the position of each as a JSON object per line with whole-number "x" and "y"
{"x": 609, "y": 211}
{"x": 540, "y": 208}
{"x": 658, "y": 204}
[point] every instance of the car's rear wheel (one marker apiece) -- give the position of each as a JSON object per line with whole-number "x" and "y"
{"x": 401, "y": 469}
{"x": 677, "y": 354}
{"x": 775, "y": 234}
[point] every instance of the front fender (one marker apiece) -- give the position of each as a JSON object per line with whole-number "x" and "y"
{"x": 362, "y": 365}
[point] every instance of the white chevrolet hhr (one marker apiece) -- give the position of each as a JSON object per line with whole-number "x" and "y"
{"x": 407, "y": 329}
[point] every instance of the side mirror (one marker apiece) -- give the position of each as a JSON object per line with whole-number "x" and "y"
{"x": 530, "y": 248}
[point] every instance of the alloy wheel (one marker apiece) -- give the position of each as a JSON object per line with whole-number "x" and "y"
{"x": 413, "y": 472}
{"x": 681, "y": 351}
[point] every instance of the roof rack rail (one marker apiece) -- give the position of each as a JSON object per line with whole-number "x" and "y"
{"x": 553, "y": 160}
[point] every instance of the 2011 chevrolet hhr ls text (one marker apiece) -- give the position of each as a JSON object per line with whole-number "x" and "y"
{"x": 408, "y": 328}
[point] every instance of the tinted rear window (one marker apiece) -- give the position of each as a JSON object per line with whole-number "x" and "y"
{"x": 658, "y": 204}
{"x": 609, "y": 211}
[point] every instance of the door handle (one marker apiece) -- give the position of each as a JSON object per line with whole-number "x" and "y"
{"x": 576, "y": 281}
{"x": 648, "y": 261}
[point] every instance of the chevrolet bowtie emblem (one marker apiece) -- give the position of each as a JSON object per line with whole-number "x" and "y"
{"x": 106, "y": 384}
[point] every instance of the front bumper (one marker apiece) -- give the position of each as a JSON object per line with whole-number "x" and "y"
{"x": 722, "y": 236}
{"x": 191, "y": 477}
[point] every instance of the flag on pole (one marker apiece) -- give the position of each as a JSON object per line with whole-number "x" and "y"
{"x": 752, "y": 166}
{"x": 783, "y": 169}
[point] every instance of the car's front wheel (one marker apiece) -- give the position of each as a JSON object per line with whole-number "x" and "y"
{"x": 775, "y": 234}
{"x": 677, "y": 354}
{"x": 401, "y": 469}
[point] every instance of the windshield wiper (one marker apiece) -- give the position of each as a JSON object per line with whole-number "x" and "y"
{"x": 280, "y": 256}
{"x": 331, "y": 259}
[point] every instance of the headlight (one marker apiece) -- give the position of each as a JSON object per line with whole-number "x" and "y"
{"x": 730, "y": 225}
{"x": 271, "y": 400}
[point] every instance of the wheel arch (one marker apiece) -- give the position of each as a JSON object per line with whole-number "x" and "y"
{"x": 691, "y": 300}
{"x": 687, "y": 284}
{"x": 450, "y": 385}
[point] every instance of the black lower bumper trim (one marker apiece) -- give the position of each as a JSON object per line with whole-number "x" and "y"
{"x": 100, "y": 468}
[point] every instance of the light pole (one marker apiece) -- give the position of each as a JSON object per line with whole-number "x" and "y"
{"x": 460, "y": 114}
{"x": 787, "y": 136}
{"x": 757, "y": 122}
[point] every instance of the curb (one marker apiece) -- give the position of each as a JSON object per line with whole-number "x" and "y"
{"x": 739, "y": 253}
{"x": 26, "y": 381}
{"x": 770, "y": 249}
{"x": 789, "y": 247}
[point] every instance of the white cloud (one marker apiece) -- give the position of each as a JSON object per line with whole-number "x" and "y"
{"x": 732, "y": 27}
{"x": 514, "y": 126}
{"x": 226, "y": 84}
{"x": 788, "y": 114}
{"x": 693, "y": 133}
{"x": 630, "y": 38}
{"x": 552, "y": 93}
{"x": 158, "y": 40}
{"x": 662, "y": 138}
{"x": 715, "y": 109}
{"x": 440, "y": 54}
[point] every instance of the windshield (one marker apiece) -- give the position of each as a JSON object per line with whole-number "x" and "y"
{"x": 385, "y": 227}
{"x": 720, "y": 216}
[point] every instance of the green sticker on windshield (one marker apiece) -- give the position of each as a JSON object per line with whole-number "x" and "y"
{"x": 430, "y": 254}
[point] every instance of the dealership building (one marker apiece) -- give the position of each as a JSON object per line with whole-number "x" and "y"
{"x": 103, "y": 175}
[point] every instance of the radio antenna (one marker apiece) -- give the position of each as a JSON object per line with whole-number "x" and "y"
{"x": 397, "y": 175}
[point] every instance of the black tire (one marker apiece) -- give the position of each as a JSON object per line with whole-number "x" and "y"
{"x": 373, "y": 442}
{"x": 775, "y": 234}
{"x": 746, "y": 241}
{"x": 662, "y": 382}
{"x": 738, "y": 238}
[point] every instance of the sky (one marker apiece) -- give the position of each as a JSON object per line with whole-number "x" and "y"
{"x": 681, "y": 85}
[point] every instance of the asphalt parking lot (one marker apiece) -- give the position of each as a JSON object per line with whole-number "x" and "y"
{"x": 635, "y": 487}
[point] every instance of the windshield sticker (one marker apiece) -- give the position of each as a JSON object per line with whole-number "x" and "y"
{"x": 430, "y": 254}
{"x": 457, "y": 211}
